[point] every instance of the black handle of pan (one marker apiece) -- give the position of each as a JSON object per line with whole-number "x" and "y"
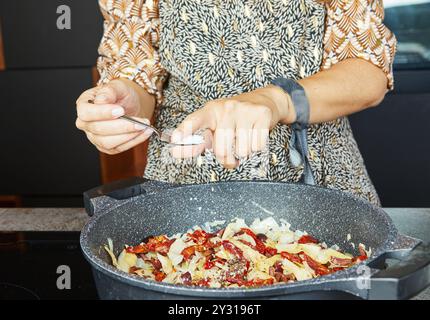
{"x": 104, "y": 195}
{"x": 404, "y": 279}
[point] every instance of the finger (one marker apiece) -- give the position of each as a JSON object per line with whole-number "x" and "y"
{"x": 224, "y": 142}
{"x": 111, "y": 142}
{"x": 87, "y": 96}
{"x": 111, "y": 127}
{"x": 140, "y": 138}
{"x": 110, "y": 93}
{"x": 98, "y": 112}
{"x": 199, "y": 119}
{"x": 243, "y": 138}
{"x": 183, "y": 152}
{"x": 260, "y": 135}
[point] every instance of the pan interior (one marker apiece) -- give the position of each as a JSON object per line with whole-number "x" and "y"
{"x": 328, "y": 215}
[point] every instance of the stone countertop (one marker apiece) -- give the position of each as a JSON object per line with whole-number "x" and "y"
{"x": 42, "y": 219}
{"x": 413, "y": 222}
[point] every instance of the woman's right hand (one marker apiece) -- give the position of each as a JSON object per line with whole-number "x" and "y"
{"x": 98, "y": 111}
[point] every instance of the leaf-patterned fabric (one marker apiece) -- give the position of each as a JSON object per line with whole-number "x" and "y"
{"x": 210, "y": 49}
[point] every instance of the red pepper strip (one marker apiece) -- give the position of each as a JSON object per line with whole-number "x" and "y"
{"x": 164, "y": 247}
{"x": 292, "y": 257}
{"x": 362, "y": 256}
{"x": 259, "y": 245}
{"x": 208, "y": 265}
{"x": 156, "y": 264}
{"x": 230, "y": 247}
{"x": 271, "y": 251}
{"x": 159, "y": 244}
{"x": 307, "y": 239}
{"x": 159, "y": 275}
{"x": 133, "y": 269}
{"x": 199, "y": 236}
{"x": 319, "y": 268}
{"x": 236, "y": 280}
{"x": 259, "y": 282}
{"x": 141, "y": 248}
{"x": 340, "y": 262}
{"x": 188, "y": 252}
{"x": 337, "y": 269}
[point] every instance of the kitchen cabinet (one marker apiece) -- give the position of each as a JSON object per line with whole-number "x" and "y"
{"x": 32, "y": 40}
{"x": 42, "y": 151}
{"x": 394, "y": 139}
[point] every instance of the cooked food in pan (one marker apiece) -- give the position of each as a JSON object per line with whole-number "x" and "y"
{"x": 238, "y": 255}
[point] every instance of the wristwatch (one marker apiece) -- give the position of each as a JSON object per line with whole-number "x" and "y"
{"x": 298, "y": 144}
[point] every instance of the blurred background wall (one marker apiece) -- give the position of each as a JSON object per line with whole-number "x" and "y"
{"x": 46, "y": 161}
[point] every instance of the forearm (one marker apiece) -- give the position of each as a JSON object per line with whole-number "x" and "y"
{"x": 146, "y": 100}
{"x": 350, "y": 86}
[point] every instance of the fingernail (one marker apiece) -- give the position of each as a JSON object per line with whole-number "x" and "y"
{"x": 117, "y": 112}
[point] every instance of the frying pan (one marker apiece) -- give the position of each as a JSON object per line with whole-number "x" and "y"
{"x": 130, "y": 210}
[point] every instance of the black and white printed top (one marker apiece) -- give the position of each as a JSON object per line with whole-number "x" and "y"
{"x": 213, "y": 49}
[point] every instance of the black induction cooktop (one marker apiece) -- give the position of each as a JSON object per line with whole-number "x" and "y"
{"x": 44, "y": 265}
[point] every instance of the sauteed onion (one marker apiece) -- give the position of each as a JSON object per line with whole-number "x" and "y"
{"x": 238, "y": 255}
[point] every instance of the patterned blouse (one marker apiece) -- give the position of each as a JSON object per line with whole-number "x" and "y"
{"x": 218, "y": 48}
{"x": 354, "y": 29}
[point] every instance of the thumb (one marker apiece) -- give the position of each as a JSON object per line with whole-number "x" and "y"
{"x": 108, "y": 93}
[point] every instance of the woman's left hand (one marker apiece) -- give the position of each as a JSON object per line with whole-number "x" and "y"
{"x": 238, "y": 126}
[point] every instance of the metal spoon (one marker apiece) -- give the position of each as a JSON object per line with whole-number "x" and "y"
{"x": 163, "y": 136}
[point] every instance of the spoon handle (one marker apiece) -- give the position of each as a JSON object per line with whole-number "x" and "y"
{"x": 143, "y": 124}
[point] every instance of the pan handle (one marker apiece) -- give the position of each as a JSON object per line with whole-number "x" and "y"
{"x": 404, "y": 279}
{"x": 107, "y": 195}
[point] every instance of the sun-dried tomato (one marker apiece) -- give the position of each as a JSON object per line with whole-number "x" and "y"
{"x": 133, "y": 269}
{"x": 259, "y": 282}
{"x": 292, "y": 257}
{"x": 156, "y": 264}
{"x": 159, "y": 275}
{"x": 231, "y": 248}
{"x": 199, "y": 236}
{"x": 340, "y": 261}
{"x": 141, "y": 248}
{"x": 307, "y": 239}
{"x": 271, "y": 251}
{"x": 319, "y": 268}
{"x": 259, "y": 244}
{"x": 188, "y": 252}
{"x": 278, "y": 266}
{"x": 208, "y": 265}
{"x": 186, "y": 278}
{"x": 164, "y": 247}
{"x": 337, "y": 269}
{"x": 236, "y": 280}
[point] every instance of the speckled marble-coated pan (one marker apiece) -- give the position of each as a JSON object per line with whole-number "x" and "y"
{"x": 329, "y": 215}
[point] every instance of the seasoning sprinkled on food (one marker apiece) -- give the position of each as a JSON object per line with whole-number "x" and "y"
{"x": 238, "y": 255}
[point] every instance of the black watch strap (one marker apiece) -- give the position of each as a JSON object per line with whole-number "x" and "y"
{"x": 299, "y": 99}
{"x": 298, "y": 144}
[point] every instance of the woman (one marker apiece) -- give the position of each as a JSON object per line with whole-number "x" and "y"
{"x": 230, "y": 66}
